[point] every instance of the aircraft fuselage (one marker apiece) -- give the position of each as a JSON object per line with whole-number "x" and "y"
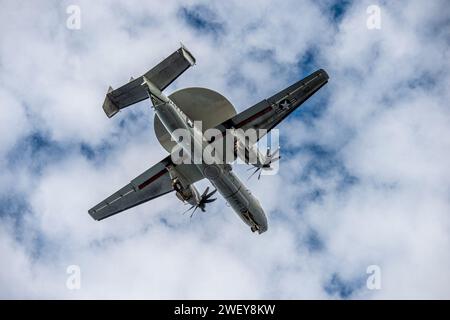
{"x": 219, "y": 174}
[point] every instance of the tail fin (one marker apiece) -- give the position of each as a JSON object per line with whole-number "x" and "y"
{"x": 162, "y": 75}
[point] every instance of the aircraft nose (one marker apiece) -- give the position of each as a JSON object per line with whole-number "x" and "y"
{"x": 262, "y": 221}
{"x": 262, "y": 228}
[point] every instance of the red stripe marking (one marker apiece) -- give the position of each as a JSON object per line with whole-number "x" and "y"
{"x": 150, "y": 180}
{"x": 256, "y": 115}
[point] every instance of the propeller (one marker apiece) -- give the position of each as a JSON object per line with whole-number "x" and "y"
{"x": 268, "y": 160}
{"x": 204, "y": 199}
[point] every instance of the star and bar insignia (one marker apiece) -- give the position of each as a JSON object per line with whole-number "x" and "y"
{"x": 284, "y": 104}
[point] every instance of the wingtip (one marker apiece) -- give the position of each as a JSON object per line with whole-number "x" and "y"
{"x": 187, "y": 54}
{"x": 92, "y": 213}
{"x": 110, "y": 107}
{"x": 323, "y": 73}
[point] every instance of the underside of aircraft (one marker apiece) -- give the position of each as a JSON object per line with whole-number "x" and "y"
{"x": 184, "y": 109}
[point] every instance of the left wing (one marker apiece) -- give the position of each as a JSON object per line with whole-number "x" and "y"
{"x": 269, "y": 112}
{"x": 151, "y": 184}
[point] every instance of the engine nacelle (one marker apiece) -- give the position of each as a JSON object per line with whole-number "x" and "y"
{"x": 245, "y": 148}
{"x": 187, "y": 193}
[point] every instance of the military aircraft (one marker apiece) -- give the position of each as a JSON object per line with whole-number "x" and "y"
{"x": 183, "y": 109}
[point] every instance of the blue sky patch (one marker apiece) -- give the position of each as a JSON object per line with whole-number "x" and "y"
{"x": 35, "y": 152}
{"x": 338, "y": 9}
{"x": 202, "y": 19}
{"x": 313, "y": 241}
{"x": 337, "y": 286}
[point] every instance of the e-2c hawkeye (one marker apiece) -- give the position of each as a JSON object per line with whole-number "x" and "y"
{"x": 184, "y": 109}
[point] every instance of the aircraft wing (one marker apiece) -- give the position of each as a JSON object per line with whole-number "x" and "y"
{"x": 151, "y": 184}
{"x": 161, "y": 76}
{"x": 271, "y": 111}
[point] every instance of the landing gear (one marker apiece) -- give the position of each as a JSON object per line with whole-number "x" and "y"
{"x": 254, "y": 228}
{"x": 176, "y": 184}
{"x": 184, "y": 194}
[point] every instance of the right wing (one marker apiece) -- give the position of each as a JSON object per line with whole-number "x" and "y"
{"x": 151, "y": 184}
{"x": 161, "y": 76}
{"x": 271, "y": 111}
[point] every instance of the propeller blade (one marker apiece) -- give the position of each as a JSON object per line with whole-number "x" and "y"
{"x": 254, "y": 172}
{"x": 205, "y": 192}
{"x": 204, "y": 199}
{"x": 194, "y": 211}
{"x": 189, "y": 209}
{"x": 276, "y": 152}
{"x": 276, "y": 159}
{"x": 210, "y": 194}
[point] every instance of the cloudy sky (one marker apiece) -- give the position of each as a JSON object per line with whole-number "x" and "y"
{"x": 364, "y": 178}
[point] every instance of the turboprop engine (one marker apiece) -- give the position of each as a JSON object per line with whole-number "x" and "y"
{"x": 190, "y": 195}
{"x": 246, "y": 149}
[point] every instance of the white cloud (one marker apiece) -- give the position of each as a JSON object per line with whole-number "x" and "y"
{"x": 385, "y": 127}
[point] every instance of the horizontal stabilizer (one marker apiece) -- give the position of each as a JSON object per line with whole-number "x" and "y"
{"x": 162, "y": 75}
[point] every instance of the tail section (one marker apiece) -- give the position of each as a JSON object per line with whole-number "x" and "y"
{"x": 161, "y": 76}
